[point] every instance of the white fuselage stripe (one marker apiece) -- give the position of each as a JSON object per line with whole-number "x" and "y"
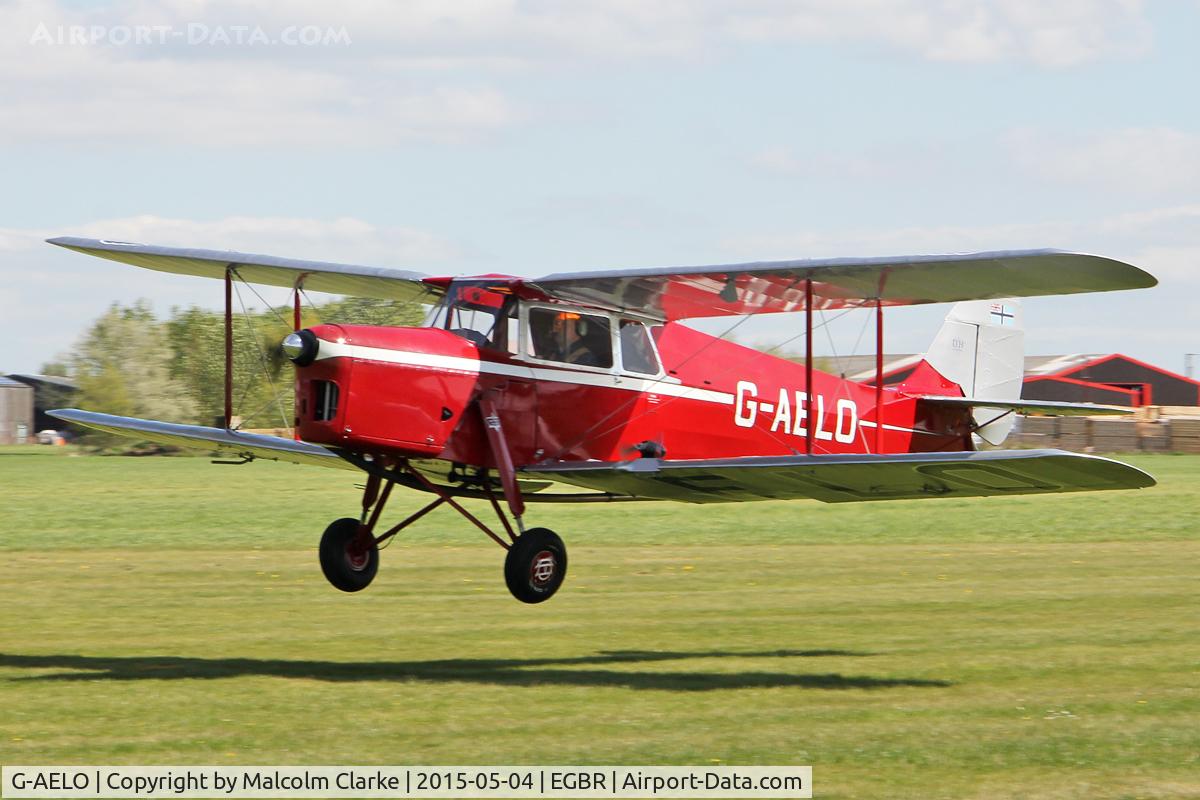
{"x": 605, "y": 380}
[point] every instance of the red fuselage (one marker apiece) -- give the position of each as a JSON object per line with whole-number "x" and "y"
{"x": 410, "y": 392}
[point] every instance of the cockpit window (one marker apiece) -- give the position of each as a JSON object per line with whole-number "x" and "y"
{"x": 570, "y": 337}
{"x": 479, "y": 314}
{"x": 637, "y": 353}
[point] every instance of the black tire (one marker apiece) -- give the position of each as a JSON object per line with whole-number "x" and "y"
{"x": 343, "y": 567}
{"x": 535, "y": 565}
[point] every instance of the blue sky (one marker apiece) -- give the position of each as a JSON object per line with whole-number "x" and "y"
{"x": 533, "y": 137}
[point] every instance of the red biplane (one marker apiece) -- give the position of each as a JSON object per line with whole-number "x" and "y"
{"x": 514, "y": 387}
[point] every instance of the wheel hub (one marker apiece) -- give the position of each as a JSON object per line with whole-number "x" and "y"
{"x": 542, "y": 568}
{"x": 358, "y": 551}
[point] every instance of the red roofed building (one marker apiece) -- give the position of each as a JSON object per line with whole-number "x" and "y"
{"x": 1112, "y": 379}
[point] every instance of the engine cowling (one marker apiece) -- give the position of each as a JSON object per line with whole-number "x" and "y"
{"x": 377, "y": 389}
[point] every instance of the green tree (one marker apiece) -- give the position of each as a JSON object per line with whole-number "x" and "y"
{"x": 131, "y": 364}
{"x": 371, "y": 311}
{"x": 122, "y": 365}
{"x": 262, "y": 382}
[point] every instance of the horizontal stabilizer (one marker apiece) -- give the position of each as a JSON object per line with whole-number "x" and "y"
{"x": 316, "y": 276}
{"x": 1050, "y": 407}
{"x": 218, "y": 441}
{"x": 842, "y": 479}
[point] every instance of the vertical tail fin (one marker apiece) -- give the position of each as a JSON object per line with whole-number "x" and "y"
{"x": 981, "y": 347}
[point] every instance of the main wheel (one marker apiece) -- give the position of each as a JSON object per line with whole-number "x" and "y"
{"x": 535, "y": 565}
{"x": 349, "y": 556}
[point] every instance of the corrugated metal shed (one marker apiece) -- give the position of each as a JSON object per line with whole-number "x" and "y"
{"x": 16, "y": 412}
{"x": 49, "y": 392}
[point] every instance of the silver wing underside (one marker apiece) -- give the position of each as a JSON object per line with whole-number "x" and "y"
{"x": 832, "y": 479}
{"x": 843, "y": 479}
{"x": 317, "y": 276}
{"x": 229, "y": 444}
{"x": 670, "y": 293}
{"x": 772, "y": 286}
{"x": 216, "y": 441}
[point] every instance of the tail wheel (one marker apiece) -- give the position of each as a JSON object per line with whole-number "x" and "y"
{"x": 349, "y": 555}
{"x": 536, "y": 565}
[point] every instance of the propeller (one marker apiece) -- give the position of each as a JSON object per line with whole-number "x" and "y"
{"x": 276, "y": 359}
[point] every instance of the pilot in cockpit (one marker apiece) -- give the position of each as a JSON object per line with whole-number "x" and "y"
{"x": 570, "y": 338}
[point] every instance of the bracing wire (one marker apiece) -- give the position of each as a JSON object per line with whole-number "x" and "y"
{"x": 277, "y": 393}
{"x": 310, "y": 302}
{"x": 837, "y": 359}
{"x": 267, "y": 305}
{"x": 590, "y": 432}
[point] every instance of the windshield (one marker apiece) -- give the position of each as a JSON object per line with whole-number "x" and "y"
{"x": 483, "y": 315}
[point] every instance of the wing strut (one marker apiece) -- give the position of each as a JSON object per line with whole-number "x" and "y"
{"x": 879, "y": 374}
{"x": 296, "y": 303}
{"x": 296, "y": 327}
{"x": 228, "y": 347}
{"x": 808, "y": 367}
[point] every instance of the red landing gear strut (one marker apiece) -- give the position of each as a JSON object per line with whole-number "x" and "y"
{"x": 534, "y": 566}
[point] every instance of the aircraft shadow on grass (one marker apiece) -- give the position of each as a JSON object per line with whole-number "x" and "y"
{"x": 571, "y": 671}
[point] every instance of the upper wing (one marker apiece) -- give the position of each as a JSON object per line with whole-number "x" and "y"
{"x": 840, "y": 479}
{"x": 217, "y": 441}
{"x": 669, "y": 293}
{"x": 317, "y": 276}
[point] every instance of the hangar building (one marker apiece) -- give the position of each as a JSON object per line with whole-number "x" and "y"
{"x": 49, "y": 392}
{"x": 16, "y": 412}
{"x": 1115, "y": 379}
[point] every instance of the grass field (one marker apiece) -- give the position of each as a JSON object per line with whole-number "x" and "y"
{"x": 164, "y": 610}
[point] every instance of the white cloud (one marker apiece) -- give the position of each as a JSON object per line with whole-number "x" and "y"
{"x": 167, "y": 91}
{"x": 1050, "y": 34}
{"x": 428, "y": 70}
{"x": 881, "y": 163}
{"x": 344, "y": 239}
{"x": 1061, "y": 33}
{"x": 1137, "y": 160}
{"x": 896, "y": 241}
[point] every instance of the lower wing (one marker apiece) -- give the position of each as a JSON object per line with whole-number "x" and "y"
{"x": 250, "y": 446}
{"x": 832, "y": 479}
{"x": 217, "y": 441}
{"x": 841, "y": 479}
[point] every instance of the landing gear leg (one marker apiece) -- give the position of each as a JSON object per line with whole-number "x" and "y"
{"x": 349, "y": 548}
{"x": 536, "y": 563}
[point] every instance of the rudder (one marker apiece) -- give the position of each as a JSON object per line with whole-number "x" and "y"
{"x": 981, "y": 347}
